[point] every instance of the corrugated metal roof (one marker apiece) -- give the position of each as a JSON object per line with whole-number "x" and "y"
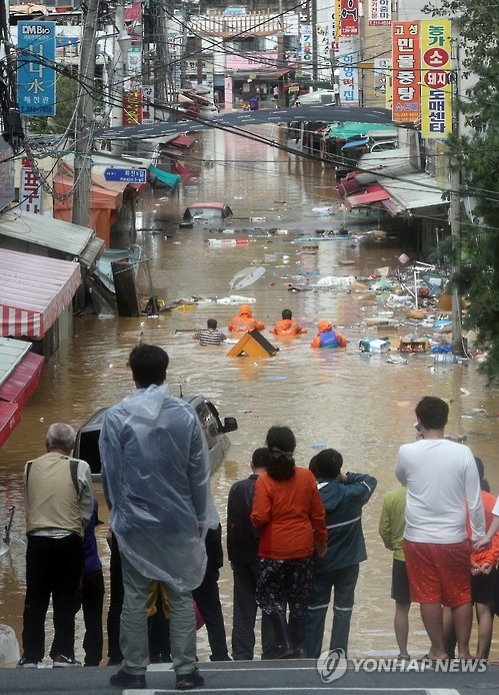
{"x": 410, "y": 188}
{"x": 413, "y": 191}
{"x": 11, "y": 353}
{"x": 46, "y": 231}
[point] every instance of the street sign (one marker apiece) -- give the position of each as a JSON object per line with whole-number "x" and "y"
{"x": 126, "y": 175}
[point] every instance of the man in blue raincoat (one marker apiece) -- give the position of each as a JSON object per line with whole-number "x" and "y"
{"x": 155, "y": 473}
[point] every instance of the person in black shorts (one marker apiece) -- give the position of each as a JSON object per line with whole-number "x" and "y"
{"x": 391, "y": 530}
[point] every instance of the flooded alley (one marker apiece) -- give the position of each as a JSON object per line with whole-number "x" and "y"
{"x": 359, "y": 403}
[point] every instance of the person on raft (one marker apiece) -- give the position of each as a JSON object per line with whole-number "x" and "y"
{"x": 327, "y": 337}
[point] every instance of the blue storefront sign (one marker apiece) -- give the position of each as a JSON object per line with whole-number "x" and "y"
{"x": 126, "y": 175}
{"x": 36, "y": 74}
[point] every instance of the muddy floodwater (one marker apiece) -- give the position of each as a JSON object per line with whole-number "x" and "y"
{"x": 360, "y": 404}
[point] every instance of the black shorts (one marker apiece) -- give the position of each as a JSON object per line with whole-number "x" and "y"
{"x": 483, "y": 588}
{"x": 400, "y": 582}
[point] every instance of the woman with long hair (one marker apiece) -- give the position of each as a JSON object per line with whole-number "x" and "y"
{"x": 288, "y": 510}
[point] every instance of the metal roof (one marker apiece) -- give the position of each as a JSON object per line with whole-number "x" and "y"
{"x": 45, "y": 231}
{"x": 416, "y": 190}
{"x": 409, "y": 188}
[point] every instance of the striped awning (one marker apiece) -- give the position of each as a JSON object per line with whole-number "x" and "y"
{"x": 20, "y": 371}
{"x": 9, "y": 419}
{"x": 34, "y": 291}
{"x": 23, "y": 381}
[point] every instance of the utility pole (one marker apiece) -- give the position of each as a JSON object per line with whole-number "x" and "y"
{"x": 84, "y": 120}
{"x": 314, "y": 39}
{"x": 280, "y": 57}
{"x": 455, "y": 205}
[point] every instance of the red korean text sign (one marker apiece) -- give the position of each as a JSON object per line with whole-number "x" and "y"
{"x": 349, "y": 18}
{"x": 406, "y": 77}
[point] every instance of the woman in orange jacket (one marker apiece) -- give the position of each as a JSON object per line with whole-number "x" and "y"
{"x": 245, "y": 321}
{"x": 288, "y": 510}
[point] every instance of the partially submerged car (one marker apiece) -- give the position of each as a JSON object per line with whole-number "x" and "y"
{"x": 87, "y": 439}
{"x": 205, "y": 212}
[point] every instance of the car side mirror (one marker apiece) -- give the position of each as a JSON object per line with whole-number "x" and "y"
{"x": 230, "y": 424}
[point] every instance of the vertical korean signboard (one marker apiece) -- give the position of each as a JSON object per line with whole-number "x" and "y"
{"x": 36, "y": 76}
{"x": 147, "y": 103}
{"x": 406, "y": 77}
{"x": 349, "y": 18}
{"x": 436, "y": 97}
{"x": 380, "y": 13}
{"x": 132, "y": 107}
{"x": 307, "y": 46}
{"x": 31, "y": 193}
{"x": 348, "y": 78}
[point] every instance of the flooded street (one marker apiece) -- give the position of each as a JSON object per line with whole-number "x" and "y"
{"x": 357, "y": 403}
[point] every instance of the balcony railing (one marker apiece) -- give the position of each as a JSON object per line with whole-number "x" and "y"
{"x": 260, "y": 23}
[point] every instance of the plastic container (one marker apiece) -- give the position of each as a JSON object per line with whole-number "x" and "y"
{"x": 443, "y": 358}
{"x": 225, "y": 243}
{"x": 374, "y": 345}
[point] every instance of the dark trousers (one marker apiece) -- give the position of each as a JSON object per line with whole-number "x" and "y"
{"x": 53, "y": 568}
{"x": 116, "y": 593}
{"x": 244, "y": 615}
{"x": 207, "y": 598}
{"x": 92, "y": 601}
{"x": 343, "y": 581}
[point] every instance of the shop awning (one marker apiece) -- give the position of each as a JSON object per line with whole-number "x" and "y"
{"x": 34, "y": 291}
{"x": 170, "y": 180}
{"x": 391, "y": 207}
{"x": 9, "y": 419}
{"x": 284, "y": 71}
{"x": 182, "y": 171}
{"x": 351, "y": 144}
{"x": 372, "y": 194}
{"x": 42, "y": 230}
{"x": 415, "y": 191}
{"x": 184, "y": 141}
{"x": 23, "y": 381}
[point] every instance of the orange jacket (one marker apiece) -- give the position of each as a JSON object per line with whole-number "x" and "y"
{"x": 245, "y": 321}
{"x": 287, "y": 328}
{"x": 290, "y": 514}
{"x": 491, "y": 554}
{"x": 327, "y": 337}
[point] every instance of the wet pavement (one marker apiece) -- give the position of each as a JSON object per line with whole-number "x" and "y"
{"x": 276, "y": 677}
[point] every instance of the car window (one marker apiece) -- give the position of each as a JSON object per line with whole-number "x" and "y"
{"x": 208, "y": 423}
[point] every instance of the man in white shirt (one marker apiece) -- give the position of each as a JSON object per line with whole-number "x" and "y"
{"x": 442, "y": 479}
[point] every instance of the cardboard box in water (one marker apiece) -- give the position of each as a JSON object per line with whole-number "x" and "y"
{"x": 408, "y": 345}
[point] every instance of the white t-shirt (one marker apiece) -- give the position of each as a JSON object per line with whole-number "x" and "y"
{"x": 441, "y": 477}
